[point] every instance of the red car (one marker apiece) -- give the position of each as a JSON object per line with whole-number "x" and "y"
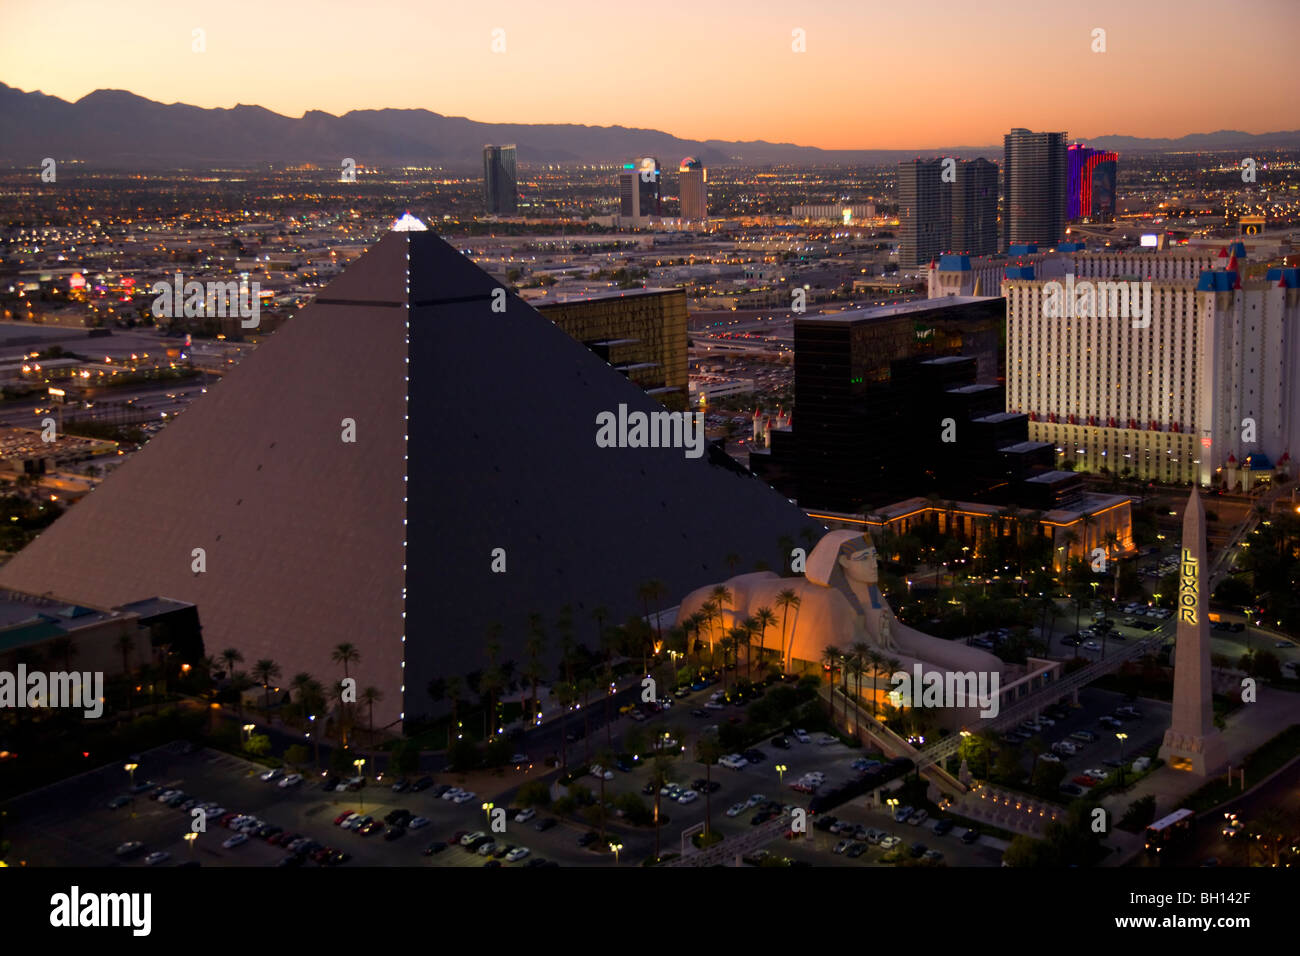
{"x": 226, "y": 818}
{"x": 1084, "y": 780}
{"x": 338, "y": 821}
{"x": 455, "y": 841}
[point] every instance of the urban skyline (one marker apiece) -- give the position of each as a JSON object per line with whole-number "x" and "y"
{"x": 513, "y": 491}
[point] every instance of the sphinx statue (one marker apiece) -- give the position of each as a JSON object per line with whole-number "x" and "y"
{"x": 840, "y": 604}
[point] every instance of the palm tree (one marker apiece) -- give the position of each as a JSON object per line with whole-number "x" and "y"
{"x": 585, "y": 686}
{"x": 854, "y": 665}
{"x": 650, "y": 593}
{"x": 786, "y": 544}
{"x": 722, "y": 597}
{"x": 607, "y": 686}
{"x": 371, "y": 696}
{"x": 831, "y": 661}
{"x": 230, "y": 657}
{"x": 750, "y": 628}
{"x": 707, "y": 751}
{"x": 240, "y": 682}
{"x": 345, "y": 654}
{"x": 876, "y": 659}
{"x": 726, "y": 645}
{"x": 599, "y": 614}
{"x": 564, "y": 693}
{"x": 731, "y": 560}
{"x": 659, "y": 776}
{"x": 787, "y": 599}
{"x": 298, "y": 690}
{"x": 765, "y": 618}
{"x": 455, "y": 691}
{"x": 564, "y": 625}
{"x": 265, "y": 671}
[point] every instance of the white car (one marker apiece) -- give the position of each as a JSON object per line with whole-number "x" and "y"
{"x": 153, "y": 859}
{"x": 1097, "y": 774}
{"x": 469, "y": 838}
{"x": 826, "y": 739}
{"x": 453, "y": 793}
{"x": 272, "y": 774}
{"x": 600, "y": 772}
{"x": 517, "y": 854}
{"x": 734, "y": 761}
{"x": 917, "y": 818}
{"x": 802, "y": 736}
{"x": 465, "y": 796}
{"x": 415, "y": 823}
{"x": 889, "y": 842}
{"x": 523, "y": 816}
{"x": 291, "y": 781}
{"x": 487, "y": 848}
{"x": 236, "y": 840}
{"x": 736, "y": 809}
{"x": 755, "y": 799}
{"x": 713, "y": 705}
{"x": 1049, "y": 758}
{"x": 688, "y": 796}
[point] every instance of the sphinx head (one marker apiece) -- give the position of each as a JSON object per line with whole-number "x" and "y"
{"x": 860, "y": 566}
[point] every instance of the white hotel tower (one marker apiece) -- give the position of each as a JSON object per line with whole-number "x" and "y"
{"x": 1207, "y": 390}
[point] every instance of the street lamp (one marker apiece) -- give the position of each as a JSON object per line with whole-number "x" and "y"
{"x": 1121, "y": 737}
{"x": 616, "y": 847}
{"x": 359, "y": 763}
{"x": 190, "y": 838}
{"x": 130, "y": 768}
{"x": 248, "y": 731}
{"x": 487, "y": 809}
{"x": 781, "y": 769}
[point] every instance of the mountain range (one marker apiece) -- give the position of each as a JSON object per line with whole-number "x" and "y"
{"x": 115, "y": 128}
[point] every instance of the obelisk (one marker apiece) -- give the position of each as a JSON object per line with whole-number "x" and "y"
{"x": 1192, "y": 742}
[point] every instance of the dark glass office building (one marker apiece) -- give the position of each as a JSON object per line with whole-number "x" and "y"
{"x": 500, "y": 181}
{"x": 1034, "y": 186}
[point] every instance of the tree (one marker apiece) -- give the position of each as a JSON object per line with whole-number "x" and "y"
{"x": 787, "y": 599}
{"x": 708, "y": 750}
{"x": 347, "y": 655}
{"x": 831, "y": 661}
{"x": 764, "y": 618}
{"x": 371, "y": 696}
{"x": 722, "y": 597}
{"x": 296, "y": 755}
{"x": 230, "y": 657}
{"x": 265, "y": 671}
{"x": 258, "y": 744}
{"x": 876, "y": 659}
{"x": 564, "y": 694}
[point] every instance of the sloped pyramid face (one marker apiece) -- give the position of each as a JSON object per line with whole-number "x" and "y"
{"x": 388, "y": 542}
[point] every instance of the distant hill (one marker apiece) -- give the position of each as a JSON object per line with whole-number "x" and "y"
{"x": 115, "y": 128}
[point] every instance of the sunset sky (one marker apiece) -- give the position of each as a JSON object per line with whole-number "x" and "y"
{"x": 881, "y": 75}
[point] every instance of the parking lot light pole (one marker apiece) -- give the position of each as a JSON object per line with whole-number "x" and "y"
{"x": 130, "y": 768}
{"x": 1121, "y": 737}
{"x": 487, "y": 810}
{"x": 781, "y": 769}
{"x": 616, "y": 847}
{"x": 359, "y": 763}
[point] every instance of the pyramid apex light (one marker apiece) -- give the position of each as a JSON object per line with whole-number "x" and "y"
{"x": 408, "y": 223}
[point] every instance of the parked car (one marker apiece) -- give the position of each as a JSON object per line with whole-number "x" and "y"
{"x": 970, "y": 836}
